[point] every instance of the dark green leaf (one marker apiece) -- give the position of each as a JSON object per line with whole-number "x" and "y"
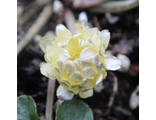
{"x": 74, "y": 110}
{"x": 26, "y": 108}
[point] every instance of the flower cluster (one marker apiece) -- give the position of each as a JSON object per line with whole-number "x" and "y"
{"x": 77, "y": 61}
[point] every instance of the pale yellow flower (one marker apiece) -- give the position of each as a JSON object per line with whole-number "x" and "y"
{"x": 77, "y": 61}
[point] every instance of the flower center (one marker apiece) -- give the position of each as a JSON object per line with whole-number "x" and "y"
{"x": 75, "y": 55}
{"x": 73, "y": 48}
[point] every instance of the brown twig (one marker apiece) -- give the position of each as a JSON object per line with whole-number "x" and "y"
{"x": 50, "y": 99}
{"x": 96, "y": 22}
{"x": 123, "y": 111}
{"x": 115, "y": 89}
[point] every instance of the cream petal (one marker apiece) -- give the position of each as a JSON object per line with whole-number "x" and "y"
{"x": 75, "y": 85}
{"x": 87, "y": 72}
{"x": 96, "y": 39}
{"x": 78, "y": 35}
{"x": 86, "y": 54}
{"x": 60, "y": 64}
{"x": 62, "y": 33}
{"x": 89, "y": 41}
{"x": 99, "y": 78}
{"x": 63, "y": 44}
{"x": 93, "y": 30}
{"x": 62, "y": 93}
{"x": 46, "y": 41}
{"x": 64, "y": 55}
{"x": 86, "y": 64}
{"x": 55, "y": 57}
{"x": 77, "y": 66}
{"x": 76, "y": 76}
{"x": 86, "y": 32}
{"x": 75, "y": 90}
{"x": 69, "y": 67}
{"x": 99, "y": 67}
{"x": 66, "y": 81}
{"x": 47, "y": 70}
{"x": 48, "y": 55}
{"x": 105, "y": 38}
{"x": 80, "y": 28}
{"x": 56, "y": 46}
{"x": 102, "y": 49}
{"x": 43, "y": 68}
{"x": 100, "y": 53}
{"x": 64, "y": 84}
{"x": 83, "y": 23}
{"x": 60, "y": 27}
{"x": 57, "y": 69}
{"x": 95, "y": 60}
{"x": 88, "y": 79}
{"x": 81, "y": 42}
{"x": 111, "y": 62}
{"x": 86, "y": 94}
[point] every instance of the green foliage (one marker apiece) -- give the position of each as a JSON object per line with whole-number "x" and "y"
{"x": 26, "y": 108}
{"x": 74, "y": 110}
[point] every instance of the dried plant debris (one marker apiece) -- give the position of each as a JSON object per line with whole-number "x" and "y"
{"x": 124, "y": 46}
{"x": 125, "y": 62}
{"x": 134, "y": 99}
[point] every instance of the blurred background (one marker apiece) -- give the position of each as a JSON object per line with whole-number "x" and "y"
{"x": 37, "y": 18}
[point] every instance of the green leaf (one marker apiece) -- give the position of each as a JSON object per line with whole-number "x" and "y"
{"x": 26, "y": 108}
{"x": 74, "y": 110}
{"x": 115, "y": 6}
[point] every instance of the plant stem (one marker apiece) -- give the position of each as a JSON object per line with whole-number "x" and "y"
{"x": 50, "y": 99}
{"x": 36, "y": 27}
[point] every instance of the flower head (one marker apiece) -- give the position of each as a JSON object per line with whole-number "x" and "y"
{"x": 77, "y": 61}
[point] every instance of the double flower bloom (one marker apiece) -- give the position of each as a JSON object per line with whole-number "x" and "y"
{"x": 77, "y": 61}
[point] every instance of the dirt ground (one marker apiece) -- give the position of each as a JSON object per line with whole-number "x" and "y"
{"x": 124, "y": 35}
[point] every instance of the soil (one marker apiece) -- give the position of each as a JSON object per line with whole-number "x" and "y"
{"x": 31, "y": 82}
